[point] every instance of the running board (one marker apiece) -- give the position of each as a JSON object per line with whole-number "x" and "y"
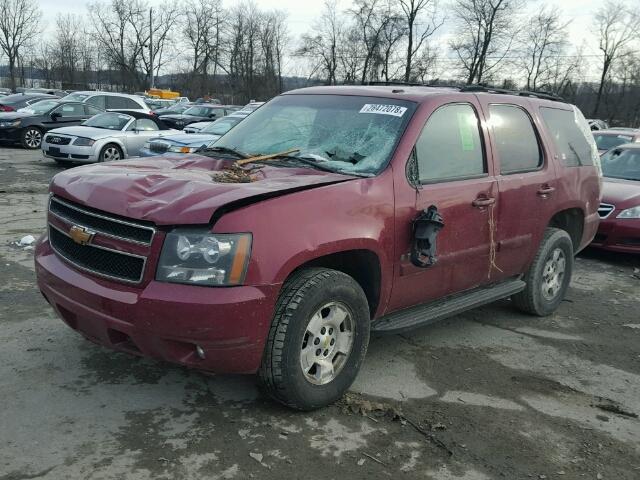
{"x": 421, "y": 315}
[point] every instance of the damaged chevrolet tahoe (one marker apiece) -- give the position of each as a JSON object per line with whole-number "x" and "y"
{"x": 328, "y": 214}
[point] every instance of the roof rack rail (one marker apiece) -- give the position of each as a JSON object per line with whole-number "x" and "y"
{"x": 505, "y": 91}
{"x": 391, "y": 83}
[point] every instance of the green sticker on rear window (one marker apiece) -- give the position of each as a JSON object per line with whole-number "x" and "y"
{"x": 465, "y": 127}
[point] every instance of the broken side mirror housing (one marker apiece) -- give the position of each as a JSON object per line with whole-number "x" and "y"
{"x": 425, "y": 232}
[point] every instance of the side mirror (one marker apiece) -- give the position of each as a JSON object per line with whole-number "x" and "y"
{"x": 55, "y": 116}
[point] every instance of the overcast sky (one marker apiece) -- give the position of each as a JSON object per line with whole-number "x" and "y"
{"x": 301, "y": 15}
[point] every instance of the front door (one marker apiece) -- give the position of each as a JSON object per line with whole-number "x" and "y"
{"x": 452, "y": 171}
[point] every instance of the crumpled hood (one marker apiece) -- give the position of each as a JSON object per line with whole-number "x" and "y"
{"x": 621, "y": 193}
{"x": 177, "y": 190}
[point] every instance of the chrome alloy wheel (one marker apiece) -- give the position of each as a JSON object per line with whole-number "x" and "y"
{"x": 553, "y": 274}
{"x": 33, "y": 138}
{"x": 327, "y": 343}
{"x": 111, "y": 154}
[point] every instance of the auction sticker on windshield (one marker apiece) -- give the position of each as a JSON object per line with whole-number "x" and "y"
{"x": 394, "y": 110}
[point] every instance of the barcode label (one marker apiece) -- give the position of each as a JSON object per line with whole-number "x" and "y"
{"x": 393, "y": 110}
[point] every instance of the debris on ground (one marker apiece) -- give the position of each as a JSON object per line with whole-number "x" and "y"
{"x": 26, "y": 241}
{"x": 617, "y": 409}
{"x": 256, "y": 456}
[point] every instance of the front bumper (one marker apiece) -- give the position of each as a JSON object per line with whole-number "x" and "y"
{"x": 71, "y": 152}
{"x": 618, "y": 235}
{"x": 10, "y": 134}
{"x": 161, "y": 320}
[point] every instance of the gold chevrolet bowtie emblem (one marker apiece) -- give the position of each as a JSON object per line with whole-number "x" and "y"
{"x": 81, "y": 235}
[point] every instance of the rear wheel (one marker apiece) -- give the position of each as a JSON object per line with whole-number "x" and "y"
{"x": 549, "y": 276}
{"x": 318, "y": 339}
{"x": 31, "y": 138}
{"x": 110, "y": 153}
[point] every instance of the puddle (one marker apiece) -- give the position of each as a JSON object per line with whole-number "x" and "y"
{"x": 479, "y": 400}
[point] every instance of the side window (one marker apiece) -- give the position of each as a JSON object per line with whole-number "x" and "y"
{"x": 115, "y": 103}
{"x": 91, "y": 110}
{"x": 571, "y": 144}
{"x": 146, "y": 125}
{"x": 130, "y": 104}
{"x": 450, "y": 145}
{"x": 72, "y": 110}
{"x": 97, "y": 101}
{"x": 515, "y": 138}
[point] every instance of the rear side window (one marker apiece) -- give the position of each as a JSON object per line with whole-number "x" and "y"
{"x": 145, "y": 124}
{"x": 450, "y": 145}
{"x": 97, "y": 101}
{"x": 571, "y": 145}
{"x": 515, "y": 138}
{"x": 91, "y": 110}
{"x": 121, "y": 103}
{"x": 71, "y": 110}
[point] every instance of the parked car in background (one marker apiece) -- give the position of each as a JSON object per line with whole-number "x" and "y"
{"x": 608, "y": 139}
{"x": 596, "y": 124}
{"x": 189, "y": 143}
{"x": 197, "y": 113}
{"x": 623, "y": 129}
{"x": 105, "y": 137}
{"x": 175, "y": 109}
{"x": 11, "y": 103}
{"x": 198, "y": 127}
{"x": 5, "y": 91}
{"x": 29, "y": 124}
{"x": 619, "y": 211}
{"x": 326, "y": 232}
{"x": 110, "y": 101}
{"x": 46, "y": 91}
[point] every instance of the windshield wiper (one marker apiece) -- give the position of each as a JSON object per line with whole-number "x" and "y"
{"x": 315, "y": 163}
{"x": 230, "y": 150}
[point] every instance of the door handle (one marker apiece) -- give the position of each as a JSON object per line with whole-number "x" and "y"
{"x": 482, "y": 202}
{"x": 546, "y": 190}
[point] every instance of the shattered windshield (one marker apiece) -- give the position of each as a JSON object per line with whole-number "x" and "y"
{"x": 622, "y": 163}
{"x": 340, "y": 133}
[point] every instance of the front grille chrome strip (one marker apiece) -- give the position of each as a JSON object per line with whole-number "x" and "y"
{"x": 103, "y": 217}
{"x": 94, "y": 272}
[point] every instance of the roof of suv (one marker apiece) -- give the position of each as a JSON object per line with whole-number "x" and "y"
{"x": 418, "y": 93}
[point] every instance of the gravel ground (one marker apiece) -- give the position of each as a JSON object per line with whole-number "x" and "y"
{"x": 486, "y": 395}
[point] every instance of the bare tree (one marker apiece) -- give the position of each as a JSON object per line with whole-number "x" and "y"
{"x": 617, "y": 27}
{"x": 543, "y": 40}
{"x": 370, "y": 21}
{"x": 416, "y": 37}
{"x": 203, "y": 35}
{"x": 19, "y": 27}
{"x": 484, "y": 39}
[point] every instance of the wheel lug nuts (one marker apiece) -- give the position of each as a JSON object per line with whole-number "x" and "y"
{"x": 332, "y": 341}
{"x": 330, "y": 331}
{"x": 326, "y": 352}
{"x": 316, "y": 341}
{"x": 318, "y": 352}
{"x": 323, "y": 330}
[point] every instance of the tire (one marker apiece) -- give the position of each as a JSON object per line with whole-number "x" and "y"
{"x": 310, "y": 299}
{"x": 549, "y": 275}
{"x": 31, "y": 138}
{"x": 110, "y": 153}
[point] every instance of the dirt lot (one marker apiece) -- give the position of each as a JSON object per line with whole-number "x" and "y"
{"x": 487, "y": 395}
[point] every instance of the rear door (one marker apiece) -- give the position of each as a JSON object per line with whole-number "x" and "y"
{"x": 139, "y": 133}
{"x": 454, "y": 173}
{"x": 526, "y": 180}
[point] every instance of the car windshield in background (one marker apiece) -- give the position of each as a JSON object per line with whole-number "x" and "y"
{"x": 108, "y": 121}
{"x": 40, "y": 108}
{"x": 199, "y": 111}
{"x": 622, "y": 163}
{"x": 222, "y": 126}
{"x": 76, "y": 97}
{"x": 607, "y": 142}
{"x": 339, "y": 133}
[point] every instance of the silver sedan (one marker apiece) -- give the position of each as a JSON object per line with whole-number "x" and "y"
{"x": 103, "y": 138}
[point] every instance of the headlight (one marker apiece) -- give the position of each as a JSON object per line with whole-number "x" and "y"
{"x": 203, "y": 258}
{"x": 147, "y": 145}
{"x": 182, "y": 149}
{"x": 15, "y": 123}
{"x": 633, "y": 212}
{"x": 83, "y": 142}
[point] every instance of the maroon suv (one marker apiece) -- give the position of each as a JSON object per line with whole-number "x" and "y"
{"x": 329, "y": 213}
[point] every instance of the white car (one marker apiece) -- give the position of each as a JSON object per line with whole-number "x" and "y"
{"x": 198, "y": 127}
{"x": 104, "y": 137}
{"x": 110, "y": 101}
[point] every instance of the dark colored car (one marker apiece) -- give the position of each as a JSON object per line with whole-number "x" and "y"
{"x": 28, "y": 125}
{"x": 620, "y": 208}
{"x": 197, "y": 113}
{"x": 314, "y": 221}
{"x": 175, "y": 109}
{"x": 11, "y": 103}
{"x": 608, "y": 139}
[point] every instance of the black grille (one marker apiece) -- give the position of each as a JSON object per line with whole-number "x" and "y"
{"x": 110, "y": 226}
{"x": 605, "y": 210}
{"x": 102, "y": 262}
{"x": 54, "y": 139}
{"x": 158, "y": 147}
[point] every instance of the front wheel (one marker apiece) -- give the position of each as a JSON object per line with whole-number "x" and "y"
{"x": 110, "y": 153}
{"x": 549, "y": 276}
{"x": 318, "y": 339}
{"x": 31, "y": 138}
